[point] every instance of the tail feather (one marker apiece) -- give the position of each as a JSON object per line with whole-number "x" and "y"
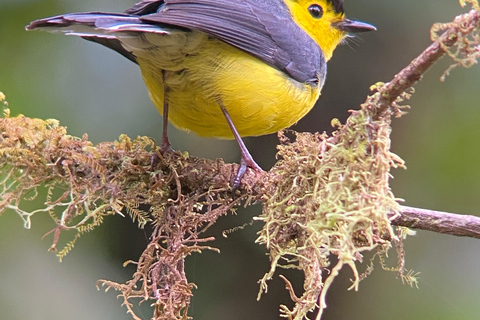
{"x": 98, "y": 24}
{"x": 103, "y": 28}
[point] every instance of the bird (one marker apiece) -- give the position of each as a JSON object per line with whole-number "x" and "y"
{"x": 223, "y": 68}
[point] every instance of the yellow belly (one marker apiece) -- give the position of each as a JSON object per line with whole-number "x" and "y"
{"x": 260, "y": 99}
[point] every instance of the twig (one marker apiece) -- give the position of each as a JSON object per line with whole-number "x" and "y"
{"x": 353, "y": 172}
{"x": 412, "y": 73}
{"x": 440, "y": 222}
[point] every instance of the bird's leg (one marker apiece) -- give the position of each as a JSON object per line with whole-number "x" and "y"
{"x": 165, "y": 146}
{"x": 247, "y": 159}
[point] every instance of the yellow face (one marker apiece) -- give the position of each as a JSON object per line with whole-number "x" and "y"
{"x": 316, "y": 18}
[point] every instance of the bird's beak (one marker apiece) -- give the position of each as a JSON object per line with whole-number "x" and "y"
{"x": 353, "y": 26}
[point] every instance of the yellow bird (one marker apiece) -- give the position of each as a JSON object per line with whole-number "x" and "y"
{"x": 223, "y": 68}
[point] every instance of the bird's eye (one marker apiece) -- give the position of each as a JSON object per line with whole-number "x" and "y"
{"x": 316, "y": 11}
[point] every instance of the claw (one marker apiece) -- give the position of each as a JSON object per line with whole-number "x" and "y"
{"x": 245, "y": 162}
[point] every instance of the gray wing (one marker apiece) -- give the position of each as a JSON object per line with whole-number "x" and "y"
{"x": 262, "y": 28}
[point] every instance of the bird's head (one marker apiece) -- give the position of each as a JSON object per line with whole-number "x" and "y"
{"x": 325, "y": 22}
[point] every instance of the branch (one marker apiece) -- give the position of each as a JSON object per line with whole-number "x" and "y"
{"x": 325, "y": 196}
{"x": 454, "y": 34}
{"x": 438, "y": 221}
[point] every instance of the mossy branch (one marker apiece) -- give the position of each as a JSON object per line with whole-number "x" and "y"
{"x": 327, "y": 195}
{"x": 458, "y": 39}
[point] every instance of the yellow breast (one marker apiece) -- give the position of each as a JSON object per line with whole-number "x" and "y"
{"x": 260, "y": 99}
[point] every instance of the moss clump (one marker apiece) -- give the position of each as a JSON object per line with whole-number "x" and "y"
{"x": 330, "y": 196}
{"x": 180, "y": 197}
{"x": 464, "y": 52}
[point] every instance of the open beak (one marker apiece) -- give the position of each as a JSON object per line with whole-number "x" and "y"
{"x": 353, "y": 26}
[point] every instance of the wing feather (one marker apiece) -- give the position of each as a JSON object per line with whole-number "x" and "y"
{"x": 262, "y": 28}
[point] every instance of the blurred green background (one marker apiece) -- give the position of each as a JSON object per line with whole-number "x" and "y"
{"x": 93, "y": 90}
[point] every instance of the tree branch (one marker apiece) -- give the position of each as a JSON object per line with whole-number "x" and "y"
{"x": 439, "y": 221}
{"x": 325, "y": 196}
{"x": 452, "y": 34}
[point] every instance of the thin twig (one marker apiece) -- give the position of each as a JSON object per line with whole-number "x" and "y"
{"x": 438, "y": 221}
{"x": 412, "y": 73}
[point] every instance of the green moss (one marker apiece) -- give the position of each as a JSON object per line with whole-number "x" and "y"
{"x": 86, "y": 183}
{"x": 331, "y": 196}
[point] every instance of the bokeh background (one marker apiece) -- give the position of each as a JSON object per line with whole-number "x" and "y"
{"x": 93, "y": 90}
